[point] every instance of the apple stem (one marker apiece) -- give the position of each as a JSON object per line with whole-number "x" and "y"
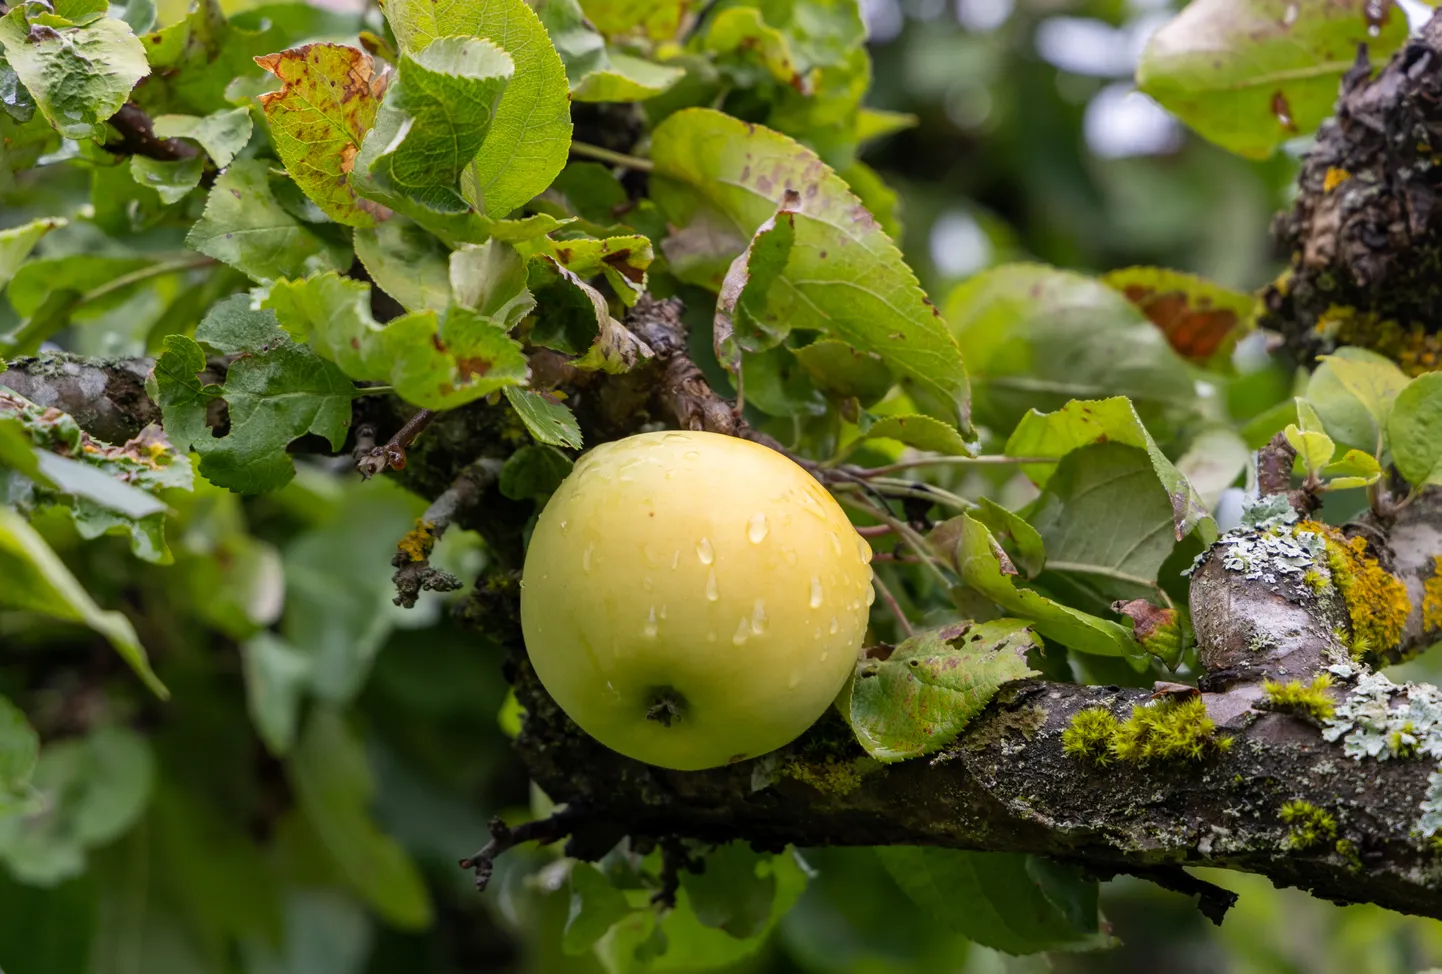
{"x": 667, "y": 706}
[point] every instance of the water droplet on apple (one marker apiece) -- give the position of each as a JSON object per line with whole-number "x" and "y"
{"x": 794, "y": 681}
{"x": 691, "y": 455}
{"x": 675, "y": 558}
{"x": 652, "y": 626}
{"x": 712, "y": 593}
{"x": 863, "y": 549}
{"x": 663, "y": 612}
{"x": 564, "y": 522}
{"x": 676, "y": 438}
{"x": 824, "y": 655}
{"x": 816, "y": 592}
{"x": 586, "y": 558}
{"x": 790, "y": 554}
{"x": 835, "y": 625}
{"x": 756, "y": 528}
{"x": 653, "y": 555}
{"x": 758, "y": 617}
{"x": 742, "y": 631}
{"x": 870, "y": 596}
{"x": 836, "y": 542}
{"x": 705, "y": 552}
{"x": 647, "y": 584}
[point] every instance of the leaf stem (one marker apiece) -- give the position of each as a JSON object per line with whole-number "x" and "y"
{"x": 941, "y": 461}
{"x": 55, "y": 315}
{"x": 913, "y": 540}
{"x": 611, "y": 156}
{"x": 892, "y": 604}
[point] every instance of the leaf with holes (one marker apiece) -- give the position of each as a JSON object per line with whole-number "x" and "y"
{"x": 575, "y": 319}
{"x": 318, "y": 119}
{"x": 276, "y": 391}
{"x": 742, "y": 320}
{"x": 918, "y": 699}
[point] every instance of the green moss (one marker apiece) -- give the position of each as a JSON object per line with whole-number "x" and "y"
{"x": 1161, "y": 731}
{"x": 1294, "y": 696}
{"x": 828, "y": 777}
{"x": 1309, "y": 825}
{"x": 1347, "y": 849}
{"x": 1168, "y": 731}
{"x": 1315, "y": 581}
{"x": 1376, "y": 600}
{"x": 1432, "y": 598}
{"x": 1089, "y": 735}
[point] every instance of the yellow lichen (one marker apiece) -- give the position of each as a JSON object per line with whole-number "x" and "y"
{"x": 1432, "y": 598}
{"x": 417, "y": 544}
{"x": 1412, "y": 347}
{"x": 1376, "y": 600}
{"x": 1335, "y": 177}
{"x": 1297, "y": 697}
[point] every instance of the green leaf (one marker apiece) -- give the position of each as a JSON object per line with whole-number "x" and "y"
{"x": 1415, "y": 430}
{"x": 37, "y": 580}
{"x": 1251, "y": 74}
{"x": 491, "y": 279}
{"x": 548, "y": 419}
{"x": 173, "y": 179}
{"x": 531, "y": 135}
{"x": 1011, "y": 902}
{"x": 335, "y": 787}
{"x": 658, "y": 19}
{"x": 1107, "y": 525}
{"x": 433, "y": 361}
{"x": 39, "y": 279}
{"x": 19, "y": 751}
{"x": 1375, "y": 382}
{"x": 1114, "y": 420}
{"x": 1313, "y": 449}
{"x": 533, "y": 472}
{"x": 883, "y": 201}
{"x": 1355, "y": 469}
{"x": 596, "y": 906}
{"x": 985, "y": 567}
{"x": 741, "y": 320}
{"x": 435, "y": 118}
{"x": 734, "y": 893}
{"x": 718, "y": 179}
{"x": 1201, "y": 319}
{"x": 407, "y": 263}
{"x": 1029, "y": 549}
{"x": 1034, "y": 336}
{"x": 246, "y": 226}
{"x": 276, "y": 391}
{"x": 276, "y": 675}
{"x": 78, "y": 75}
{"x": 573, "y": 317}
{"x": 318, "y": 119}
{"x": 844, "y": 372}
{"x": 17, "y": 242}
{"x": 742, "y": 34}
{"x": 626, "y": 78}
{"x": 776, "y": 384}
{"x": 920, "y": 698}
{"x": 221, "y": 134}
{"x": 921, "y": 433}
{"x": 91, "y": 791}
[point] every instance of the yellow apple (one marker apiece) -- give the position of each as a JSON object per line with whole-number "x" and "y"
{"x": 691, "y": 599}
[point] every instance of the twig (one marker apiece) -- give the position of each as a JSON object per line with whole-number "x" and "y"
{"x": 414, "y": 573}
{"x": 503, "y": 837}
{"x": 1212, "y": 900}
{"x": 913, "y": 540}
{"x": 873, "y": 530}
{"x": 939, "y": 461}
{"x": 611, "y": 156}
{"x": 891, "y": 603}
{"x": 137, "y": 137}
{"x": 674, "y": 860}
{"x": 391, "y": 455}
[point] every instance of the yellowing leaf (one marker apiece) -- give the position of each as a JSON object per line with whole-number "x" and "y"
{"x": 318, "y": 120}
{"x": 1313, "y": 449}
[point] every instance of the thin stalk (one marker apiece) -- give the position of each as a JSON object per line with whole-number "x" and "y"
{"x": 607, "y": 155}
{"x": 892, "y": 604}
{"x": 912, "y": 540}
{"x": 950, "y": 461}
